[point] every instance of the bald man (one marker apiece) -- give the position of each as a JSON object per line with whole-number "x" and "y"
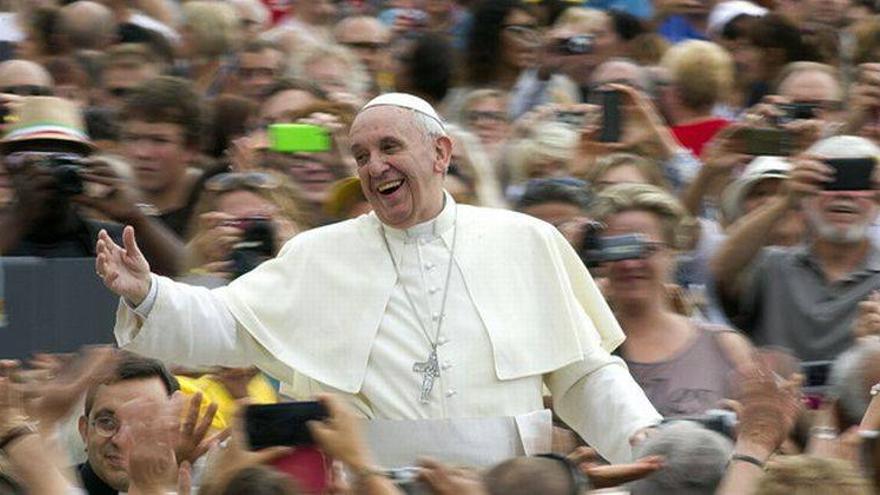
{"x": 367, "y": 38}
{"x": 25, "y": 78}
{"x": 86, "y": 25}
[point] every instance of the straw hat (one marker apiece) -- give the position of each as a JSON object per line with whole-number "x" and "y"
{"x": 46, "y": 118}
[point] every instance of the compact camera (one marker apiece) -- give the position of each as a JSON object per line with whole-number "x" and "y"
{"x": 256, "y": 246}
{"x": 67, "y": 174}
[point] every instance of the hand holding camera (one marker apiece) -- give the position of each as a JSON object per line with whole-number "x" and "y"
{"x": 864, "y": 101}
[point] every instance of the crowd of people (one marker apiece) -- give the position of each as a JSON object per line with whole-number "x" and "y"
{"x": 657, "y": 219}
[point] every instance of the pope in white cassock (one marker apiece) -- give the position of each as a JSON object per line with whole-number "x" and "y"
{"x": 422, "y": 309}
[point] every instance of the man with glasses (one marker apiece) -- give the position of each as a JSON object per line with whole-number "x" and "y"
{"x": 259, "y": 64}
{"x": 101, "y": 426}
{"x": 368, "y": 39}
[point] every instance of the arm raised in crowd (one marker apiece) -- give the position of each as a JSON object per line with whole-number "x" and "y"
{"x": 749, "y": 234}
{"x": 118, "y": 202}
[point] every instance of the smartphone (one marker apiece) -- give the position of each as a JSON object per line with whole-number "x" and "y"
{"x": 851, "y": 174}
{"x": 765, "y": 141}
{"x": 611, "y": 116}
{"x": 298, "y": 138}
{"x": 816, "y": 374}
{"x": 269, "y": 425}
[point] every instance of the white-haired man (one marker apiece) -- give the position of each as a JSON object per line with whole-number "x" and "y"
{"x": 421, "y": 309}
{"x": 805, "y": 297}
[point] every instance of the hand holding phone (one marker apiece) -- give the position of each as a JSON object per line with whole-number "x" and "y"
{"x": 851, "y": 174}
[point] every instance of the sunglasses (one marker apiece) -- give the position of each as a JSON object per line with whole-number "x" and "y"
{"x": 229, "y": 181}
{"x": 27, "y": 90}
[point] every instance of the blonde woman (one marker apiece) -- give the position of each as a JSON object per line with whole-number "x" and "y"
{"x": 623, "y": 168}
{"x": 547, "y": 152}
{"x": 700, "y": 76}
{"x": 663, "y": 347}
{"x": 233, "y": 207}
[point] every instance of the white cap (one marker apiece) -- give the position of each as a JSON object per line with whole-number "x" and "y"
{"x": 759, "y": 169}
{"x": 404, "y": 100}
{"x": 725, "y": 12}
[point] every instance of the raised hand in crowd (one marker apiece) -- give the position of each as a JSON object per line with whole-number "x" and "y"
{"x": 211, "y": 248}
{"x": 125, "y": 271}
{"x": 774, "y": 112}
{"x": 151, "y": 431}
{"x": 603, "y": 475}
{"x": 723, "y": 159}
{"x": 195, "y": 438}
{"x": 234, "y": 456}
{"x": 864, "y": 100}
{"x": 770, "y": 408}
{"x": 868, "y": 320}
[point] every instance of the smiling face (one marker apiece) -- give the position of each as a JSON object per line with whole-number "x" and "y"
{"x": 842, "y": 216}
{"x": 108, "y": 455}
{"x": 636, "y": 280}
{"x": 401, "y": 167}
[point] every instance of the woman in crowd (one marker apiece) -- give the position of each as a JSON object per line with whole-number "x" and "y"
{"x": 663, "y": 348}
{"x": 624, "y": 168}
{"x": 484, "y": 113}
{"x": 241, "y": 219}
{"x": 547, "y": 152}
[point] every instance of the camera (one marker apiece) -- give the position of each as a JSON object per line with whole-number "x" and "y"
{"x": 576, "y": 45}
{"x": 66, "y": 172}
{"x": 796, "y": 111}
{"x": 597, "y": 249}
{"x": 256, "y": 246}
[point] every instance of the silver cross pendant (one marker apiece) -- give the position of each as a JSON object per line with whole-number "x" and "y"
{"x": 430, "y": 370}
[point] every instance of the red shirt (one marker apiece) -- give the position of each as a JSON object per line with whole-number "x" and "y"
{"x": 695, "y": 136}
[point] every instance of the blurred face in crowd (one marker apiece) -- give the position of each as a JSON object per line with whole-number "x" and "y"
{"x": 544, "y": 167}
{"x": 257, "y": 71}
{"x": 368, "y": 39}
{"x": 598, "y": 34}
{"x": 816, "y": 88}
{"x": 520, "y": 40}
{"x": 316, "y": 12}
{"x": 313, "y": 172}
{"x": 487, "y": 118}
{"x": 621, "y": 174}
{"x": 118, "y": 81}
{"x": 787, "y": 232}
{"x": 158, "y": 153}
{"x": 828, "y": 12}
{"x": 401, "y": 168}
{"x": 460, "y": 181}
{"x": 841, "y": 217}
{"x": 639, "y": 279}
{"x": 104, "y": 431}
{"x": 244, "y": 204}
{"x": 330, "y": 74}
{"x": 555, "y": 213}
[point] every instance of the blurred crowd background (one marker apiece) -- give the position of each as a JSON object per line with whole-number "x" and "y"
{"x": 712, "y": 162}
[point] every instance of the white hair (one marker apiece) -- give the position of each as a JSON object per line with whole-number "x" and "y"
{"x": 357, "y": 80}
{"x": 552, "y": 140}
{"x": 694, "y": 460}
{"x": 847, "y": 379}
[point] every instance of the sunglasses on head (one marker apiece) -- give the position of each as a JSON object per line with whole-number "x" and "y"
{"x": 232, "y": 180}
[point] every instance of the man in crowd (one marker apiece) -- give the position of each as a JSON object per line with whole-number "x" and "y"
{"x": 409, "y": 339}
{"x": 25, "y": 78}
{"x": 126, "y": 66}
{"x": 259, "y": 64}
{"x": 161, "y": 139}
{"x": 86, "y": 26}
{"x": 368, "y": 39}
{"x": 805, "y": 297}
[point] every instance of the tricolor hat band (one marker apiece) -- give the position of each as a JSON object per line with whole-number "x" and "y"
{"x": 46, "y": 129}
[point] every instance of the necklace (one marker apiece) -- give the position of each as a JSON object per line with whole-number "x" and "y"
{"x": 429, "y": 368}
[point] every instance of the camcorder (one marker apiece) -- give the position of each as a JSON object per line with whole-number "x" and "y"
{"x": 256, "y": 246}
{"x": 597, "y": 248}
{"x": 67, "y": 174}
{"x": 576, "y": 45}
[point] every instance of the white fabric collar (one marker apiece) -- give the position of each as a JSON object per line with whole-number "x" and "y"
{"x": 430, "y": 230}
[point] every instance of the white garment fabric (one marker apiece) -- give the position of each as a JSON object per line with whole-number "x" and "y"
{"x": 195, "y": 326}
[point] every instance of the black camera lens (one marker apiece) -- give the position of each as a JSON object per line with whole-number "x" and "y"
{"x": 578, "y": 45}
{"x": 67, "y": 174}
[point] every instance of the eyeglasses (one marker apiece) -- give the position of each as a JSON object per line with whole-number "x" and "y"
{"x": 229, "y": 181}
{"x": 27, "y": 90}
{"x": 478, "y": 115}
{"x": 366, "y": 45}
{"x": 105, "y": 425}
{"x": 580, "y": 483}
{"x": 526, "y": 32}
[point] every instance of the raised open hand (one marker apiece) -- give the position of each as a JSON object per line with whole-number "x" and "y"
{"x": 124, "y": 271}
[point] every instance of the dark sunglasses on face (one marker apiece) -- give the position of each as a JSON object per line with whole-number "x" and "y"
{"x": 228, "y": 181}
{"x": 27, "y": 90}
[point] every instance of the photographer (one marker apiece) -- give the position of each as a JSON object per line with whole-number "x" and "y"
{"x": 46, "y": 153}
{"x": 806, "y": 297}
{"x": 241, "y": 220}
{"x": 662, "y": 347}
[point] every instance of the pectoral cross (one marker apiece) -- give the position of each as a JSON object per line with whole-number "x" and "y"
{"x": 429, "y": 370}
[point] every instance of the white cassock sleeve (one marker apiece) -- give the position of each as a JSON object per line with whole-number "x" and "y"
{"x": 188, "y": 325}
{"x": 599, "y": 399}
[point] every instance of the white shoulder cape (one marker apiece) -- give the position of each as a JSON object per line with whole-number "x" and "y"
{"x": 317, "y": 306}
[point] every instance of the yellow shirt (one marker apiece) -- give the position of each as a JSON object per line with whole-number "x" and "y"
{"x": 260, "y": 391}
